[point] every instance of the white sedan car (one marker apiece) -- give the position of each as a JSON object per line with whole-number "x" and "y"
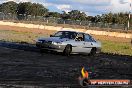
{"x": 69, "y": 42}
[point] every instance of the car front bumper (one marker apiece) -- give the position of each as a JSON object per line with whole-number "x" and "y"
{"x": 52, "y": 47}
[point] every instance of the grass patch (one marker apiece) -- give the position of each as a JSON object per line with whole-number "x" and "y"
{"x": 20, "y": 37}
{"x": 117, "y": 47}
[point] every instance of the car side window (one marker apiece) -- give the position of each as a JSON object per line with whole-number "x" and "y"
{"x": 89, "y": 38}
{"x": 80, "y": 37}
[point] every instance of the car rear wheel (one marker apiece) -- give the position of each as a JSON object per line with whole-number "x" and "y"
{"x": 67, "y": 50}
{"x": 93, "y": 51}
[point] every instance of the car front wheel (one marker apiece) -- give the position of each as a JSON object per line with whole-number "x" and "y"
{"x": 93, "y": 52}
{"x": 67, "y": 50}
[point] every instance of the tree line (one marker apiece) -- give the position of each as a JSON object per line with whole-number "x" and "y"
{"x": 35, "y": 9}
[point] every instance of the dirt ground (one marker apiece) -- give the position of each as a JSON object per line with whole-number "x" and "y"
{"x": 22, "y": 29}
{"x": 25, "y": 65}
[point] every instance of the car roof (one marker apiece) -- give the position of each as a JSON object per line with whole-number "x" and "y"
{"x": 72, "y": 31}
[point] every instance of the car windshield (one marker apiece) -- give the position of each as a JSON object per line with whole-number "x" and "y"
{"x": 65, "y": 34}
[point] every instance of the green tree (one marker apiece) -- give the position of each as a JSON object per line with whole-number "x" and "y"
{"x": 33, "y": 9}
{"x": 98, "y": 18}
{"x": 53, "y": 14}
{"x": 77, "y": 15}
{"x": 114, "y": 18}
{"x": 8, "y": 7}
{"x": 90, "y": 18}
{"x": 64, "y": 15}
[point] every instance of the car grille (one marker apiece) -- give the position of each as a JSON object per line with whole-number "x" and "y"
{"x": 46, "y": 42}
{"x": 49, "y": 42}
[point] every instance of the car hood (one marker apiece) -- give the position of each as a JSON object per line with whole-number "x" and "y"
{"x": 53, "y": 39}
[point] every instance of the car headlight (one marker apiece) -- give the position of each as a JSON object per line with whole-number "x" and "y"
{"x": 56, "y": 43}
{"x": 38, "y": 41}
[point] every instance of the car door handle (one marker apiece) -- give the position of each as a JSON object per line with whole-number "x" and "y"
{"x": 91, "y": 43}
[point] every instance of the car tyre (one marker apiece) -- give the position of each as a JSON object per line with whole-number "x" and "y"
{"x": 67, "y": 51}
{"x": 93, "y": 52}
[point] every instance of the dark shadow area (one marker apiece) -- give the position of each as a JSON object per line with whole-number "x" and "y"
{"x": 21, "y": 46}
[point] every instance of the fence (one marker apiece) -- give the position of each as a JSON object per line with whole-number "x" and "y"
{"x": 55, "y": 21}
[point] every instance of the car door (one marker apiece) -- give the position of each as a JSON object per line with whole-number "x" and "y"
{"x": 78, "y": 46}
{"x": 88, "y": 43}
